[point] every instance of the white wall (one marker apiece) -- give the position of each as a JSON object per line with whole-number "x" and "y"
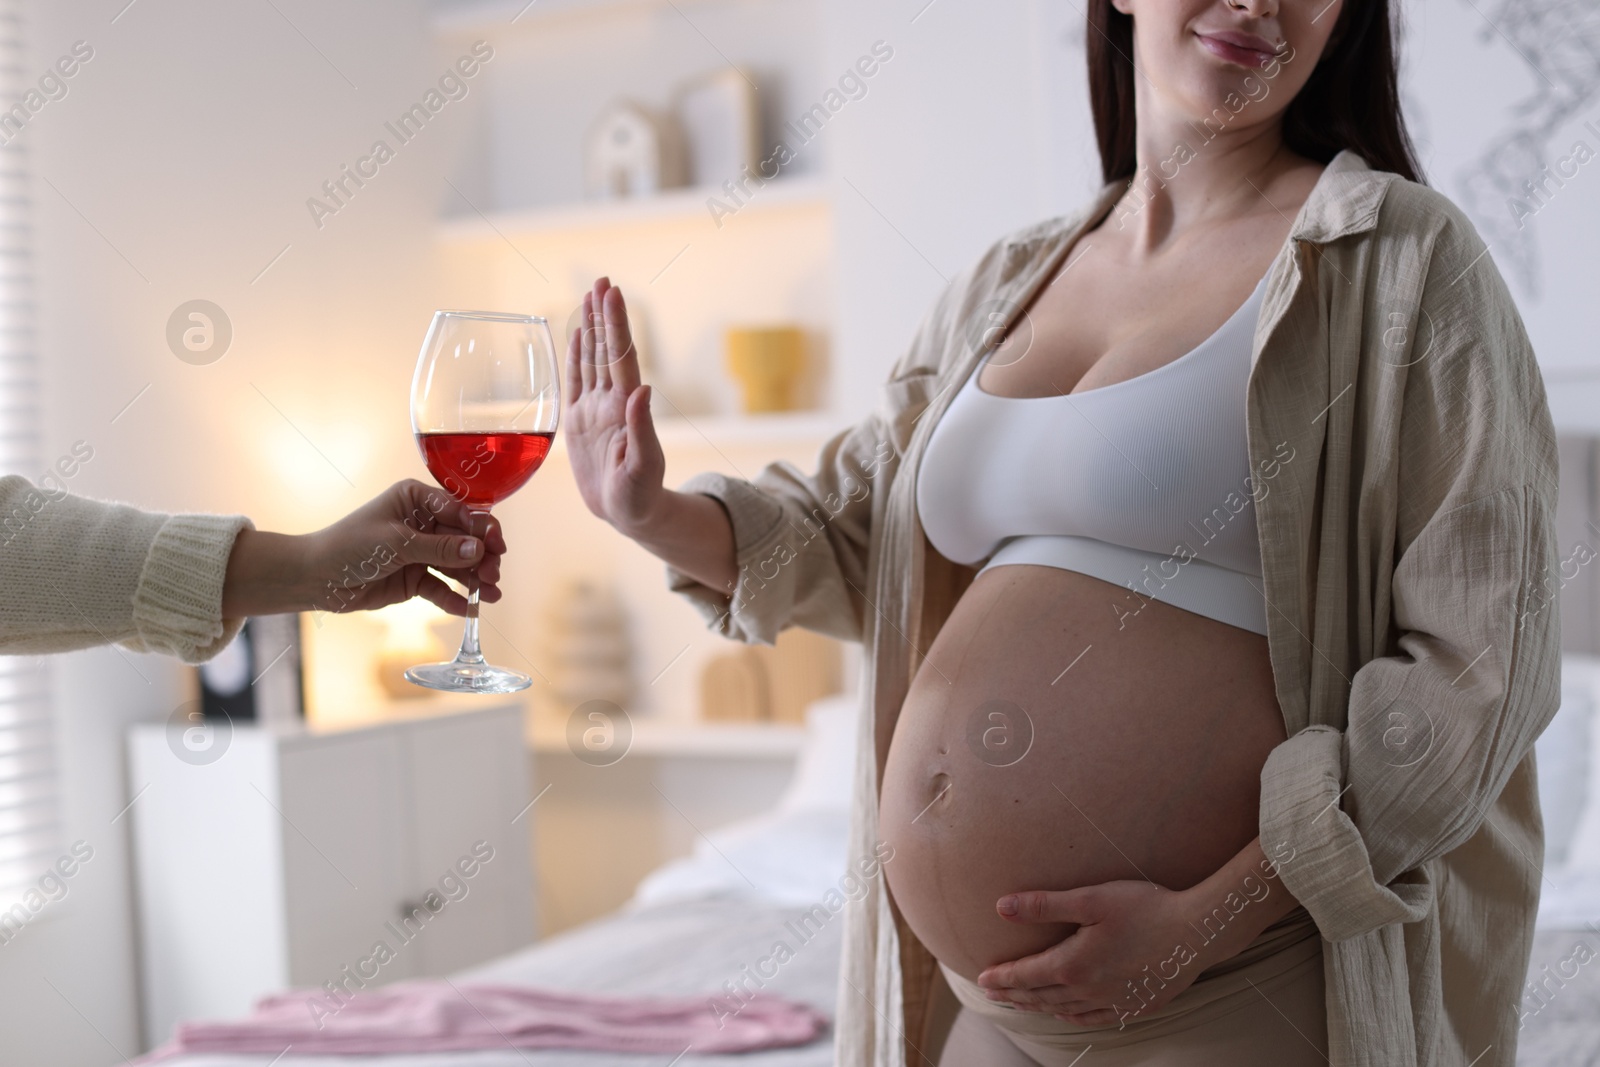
{"x": 978, "y": 125}
{"x": 1491, "y": 107}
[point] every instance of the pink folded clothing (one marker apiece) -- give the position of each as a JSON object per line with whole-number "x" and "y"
{"x": 438, "y": 1016}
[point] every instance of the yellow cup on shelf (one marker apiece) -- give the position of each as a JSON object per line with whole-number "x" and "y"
{"x": 767, "y": 363}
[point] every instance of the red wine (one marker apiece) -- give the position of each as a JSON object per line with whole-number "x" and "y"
{"x": 482, "y": 469}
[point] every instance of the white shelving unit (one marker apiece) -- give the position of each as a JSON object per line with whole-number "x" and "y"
{"x": 714, "y": 740}
{"x": 713, "y": 432}
{"x": 522, "y": 235}
{"x": 464, "y": 17}
{"x": 693, "y": 269}
{"x": 675, "y": 206}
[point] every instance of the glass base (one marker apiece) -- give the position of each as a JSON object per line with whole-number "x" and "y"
{"x": 459, "y": 677}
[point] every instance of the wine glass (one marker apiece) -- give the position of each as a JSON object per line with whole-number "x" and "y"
{"x": 484, "y": 406}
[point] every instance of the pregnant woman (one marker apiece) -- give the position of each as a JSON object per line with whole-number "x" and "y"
{"x": 1200, "y": 549}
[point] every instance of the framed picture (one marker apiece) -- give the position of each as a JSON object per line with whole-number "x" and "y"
{"x": 259, "y": 677}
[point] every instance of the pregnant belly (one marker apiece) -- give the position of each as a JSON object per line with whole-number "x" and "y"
{"x": 1046, "y": 743}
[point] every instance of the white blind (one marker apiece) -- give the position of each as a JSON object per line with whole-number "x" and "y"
{"x": 29, "y": 833}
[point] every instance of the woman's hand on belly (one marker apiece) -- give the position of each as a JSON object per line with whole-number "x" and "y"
{"x": 1091, "y": 978}
{"x": 1136, "y": 945}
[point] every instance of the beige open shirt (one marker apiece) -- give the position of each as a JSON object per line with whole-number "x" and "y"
{"x": 1407, "y": 547}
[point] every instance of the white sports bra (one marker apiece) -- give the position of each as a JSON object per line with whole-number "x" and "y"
{"x": 1143, "y": 483}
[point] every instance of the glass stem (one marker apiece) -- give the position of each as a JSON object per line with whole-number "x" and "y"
{"x": 478, "y": 526}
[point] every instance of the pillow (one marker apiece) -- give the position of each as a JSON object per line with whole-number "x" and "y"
{"x": 824, "y": 772}
{"x": 781, "y": 857}
{"x": 1571, "y": 764}
{"x": 1563, "y": 759}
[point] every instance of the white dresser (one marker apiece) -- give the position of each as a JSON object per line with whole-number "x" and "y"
{"x": 286, "y": 861}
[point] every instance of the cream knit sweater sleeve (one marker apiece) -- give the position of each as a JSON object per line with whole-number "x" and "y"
{"x": 76, "y": 572}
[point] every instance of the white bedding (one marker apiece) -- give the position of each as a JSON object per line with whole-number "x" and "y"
{"x": 698, "y": 922}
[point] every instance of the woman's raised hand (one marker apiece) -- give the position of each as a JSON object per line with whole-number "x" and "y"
{"x": 616, "y": 457}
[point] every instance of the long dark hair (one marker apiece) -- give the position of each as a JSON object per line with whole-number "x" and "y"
{"x": 1351, "y": 100}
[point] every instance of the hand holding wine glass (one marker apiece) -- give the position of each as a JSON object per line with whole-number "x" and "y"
{"x": 484, "y": 406}
{"x": 611, "y": 438}
{"x": 383, "y": 553}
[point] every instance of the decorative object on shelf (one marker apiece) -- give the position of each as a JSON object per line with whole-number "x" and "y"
{"x": 767, "y": 362}
{"x": 587, "y": 652}
{"x": 721, "y": 126}
{"x": 802, "y": 667}
{"x": 258, "y": 676}
{"x": 408, "y": 638}
{"x": 632, "y": 151}
{"x": 771, "y": 683}
{"x": 734, "y": 687}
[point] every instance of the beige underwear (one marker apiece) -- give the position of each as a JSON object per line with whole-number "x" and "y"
{"x": 1262, "y": 1008}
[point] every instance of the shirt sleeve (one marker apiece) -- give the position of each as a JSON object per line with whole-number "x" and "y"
{"x": 800, "y": 541}
{"x": 1436, "y": 726}
{"x": 77, "y": 572}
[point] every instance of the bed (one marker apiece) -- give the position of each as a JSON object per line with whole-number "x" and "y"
{"x": 701, "y": 921}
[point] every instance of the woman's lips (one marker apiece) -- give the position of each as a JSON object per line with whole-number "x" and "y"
{"x": 1243, "y": 49}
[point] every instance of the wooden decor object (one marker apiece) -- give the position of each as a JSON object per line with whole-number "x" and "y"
{"x": 761, "y": 683}
{"x": 802, "y": 667}
{"x": 734, "y": 687}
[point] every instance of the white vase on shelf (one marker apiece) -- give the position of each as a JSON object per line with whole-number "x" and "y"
{"x": 587, "y": 652}
{"x": 721, "y": 125}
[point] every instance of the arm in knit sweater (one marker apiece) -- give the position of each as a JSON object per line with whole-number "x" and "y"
{"x": 76, "y": 572}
